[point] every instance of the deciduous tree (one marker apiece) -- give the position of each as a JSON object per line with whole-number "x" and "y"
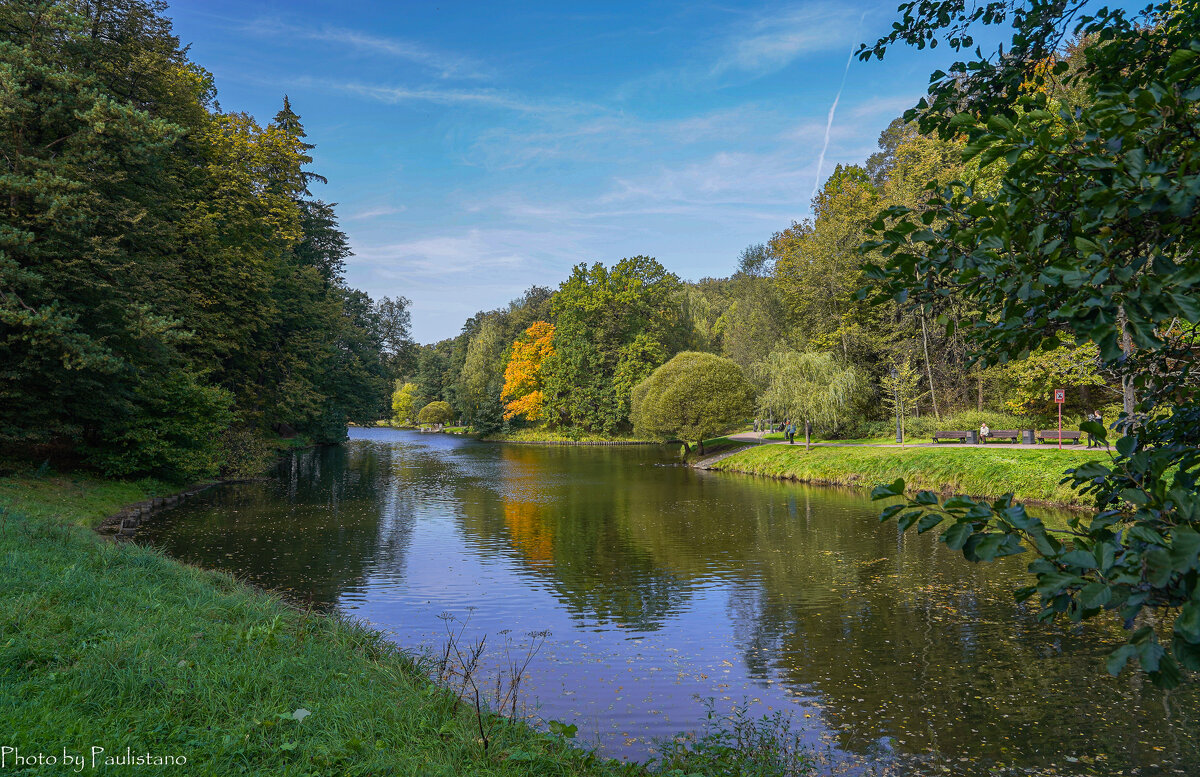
{"x": 692, "y": 397}
{"x": 523, "y": 380}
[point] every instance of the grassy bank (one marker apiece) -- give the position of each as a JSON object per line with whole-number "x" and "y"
{"x": 557, "y": 435}
{"x": 983, "y": 472}
{"x": 115, "y": 646}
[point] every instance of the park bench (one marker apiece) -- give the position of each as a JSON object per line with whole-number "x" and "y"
{"x": 967, "y": 437}
{"x": 1052, "y": 435}
{"x": 1002, "y": 434}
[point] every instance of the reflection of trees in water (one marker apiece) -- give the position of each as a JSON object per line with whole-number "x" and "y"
{"x": 568, "y": 531}
{"x": 332, "y": 515}
{"x": 902, "y": 639}
{"x": 895, "y": 635}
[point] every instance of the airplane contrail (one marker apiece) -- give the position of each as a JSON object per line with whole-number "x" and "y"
{"x": 833, "y": 108}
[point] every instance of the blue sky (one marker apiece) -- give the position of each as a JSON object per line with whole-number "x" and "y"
{"x": 478, "y": 148}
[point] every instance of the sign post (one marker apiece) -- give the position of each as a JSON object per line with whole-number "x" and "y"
{"x": 1060, "y": 396}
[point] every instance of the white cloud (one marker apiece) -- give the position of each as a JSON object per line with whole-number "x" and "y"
{"x": 374, "y": 213}
{"x": 445, "y": 64}
{"x": 774, "y": 40}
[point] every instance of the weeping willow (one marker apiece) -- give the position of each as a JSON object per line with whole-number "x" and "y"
{"x": 810, "y": 387}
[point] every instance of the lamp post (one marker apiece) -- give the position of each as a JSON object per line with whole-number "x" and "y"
{"x": 896, "y": 390}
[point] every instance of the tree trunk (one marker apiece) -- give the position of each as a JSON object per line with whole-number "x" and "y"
{"x": 807, "y": 436}
{"x": 1128, "y": 400}
{"x": 979, "y": 384}
{"x": 929, "y": 370}
{"x": 700, "y": 445}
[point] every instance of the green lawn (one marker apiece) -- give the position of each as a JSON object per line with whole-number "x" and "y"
{"x": 985, "y": 472}
{"x": 116, "y": 645}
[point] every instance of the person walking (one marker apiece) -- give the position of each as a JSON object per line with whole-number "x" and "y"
{"x": 791, "y": 433}
{"x": 1091, "y": 440}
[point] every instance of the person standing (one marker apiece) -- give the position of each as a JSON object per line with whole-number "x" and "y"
{"x": 1091, "y": 440}
{"x": 1100, "y": 420}
{"x": 791, "y": 433}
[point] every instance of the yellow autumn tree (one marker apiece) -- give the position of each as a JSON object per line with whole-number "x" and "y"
{"x": 522, "y": 392}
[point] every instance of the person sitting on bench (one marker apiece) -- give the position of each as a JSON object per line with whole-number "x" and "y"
{"x": 984, "y": 432}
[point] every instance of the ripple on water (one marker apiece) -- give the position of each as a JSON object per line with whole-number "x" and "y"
{"x": 665, "y": 590}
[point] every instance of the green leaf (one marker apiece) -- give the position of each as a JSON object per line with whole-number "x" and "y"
{"x": 1118, "y": 658}
{"x": 1079, "y": 558}
{"x": 956, "y": 536}
{"x": 927, "y": 498}
{"x": 1187, "y": 623}
{"x": 908, "y": 519}
{"x": 1095, "y": 595}
{"x": 563, "y": 729}
{"x": 958, "y": 503}
{"x": 1051, "y": 583}
{"x": 928, "y": 521}
{"x": 1185, "y": 548}
{"x": 896, "y": 488}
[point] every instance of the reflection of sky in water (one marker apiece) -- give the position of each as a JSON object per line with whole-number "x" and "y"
{"x": 662, "y": 587}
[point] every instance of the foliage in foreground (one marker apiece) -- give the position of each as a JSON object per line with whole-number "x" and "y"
{"x": 736, "y": 745}
{"x": 1089, "y": 237}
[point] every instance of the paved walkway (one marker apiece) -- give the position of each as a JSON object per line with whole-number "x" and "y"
{"x": 756, "y": 438}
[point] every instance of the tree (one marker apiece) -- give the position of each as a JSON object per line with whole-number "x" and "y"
{"x": 158, "y": 254}
{"x": 1067, "y": 367}
{"x": 436, "y": 413}
{"x": 404, "y": 404}
{"x": 523, "y": 380}
{"x": 900, "y": 390}
{"x": 612, "y": 328}
{"x": 398, "y": 346}
{"x": 692, "y": 397}
{"x": 811, "y": 387}
{"x": 817, "y": 272}
{"x": 1089, "y": 234}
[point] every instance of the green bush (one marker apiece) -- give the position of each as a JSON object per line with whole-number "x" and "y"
{"x": 436, "y": 413}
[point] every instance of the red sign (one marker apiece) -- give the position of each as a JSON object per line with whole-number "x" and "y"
{"x": 1060, "y": 395}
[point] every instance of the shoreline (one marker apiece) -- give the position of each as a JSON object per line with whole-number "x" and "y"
{"x": 946, "y": 471}
{"x": 267, "y": 686}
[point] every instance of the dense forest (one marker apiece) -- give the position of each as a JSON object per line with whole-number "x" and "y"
{"x": 171, "y": 291}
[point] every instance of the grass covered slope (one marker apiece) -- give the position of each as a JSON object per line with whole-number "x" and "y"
{"x": 116, "y": 646}
{"x": 1032, "y": 475}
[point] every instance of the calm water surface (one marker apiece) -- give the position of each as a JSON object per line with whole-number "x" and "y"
{"x": 663, "y": 587}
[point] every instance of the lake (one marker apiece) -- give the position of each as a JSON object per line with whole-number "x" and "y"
{"x": 666, "y": 591}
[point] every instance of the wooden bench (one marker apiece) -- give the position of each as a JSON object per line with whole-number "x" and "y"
{"x": 1051, "y": 435}
{"x": 967, "y": 437}
{"x": 1002, "y": 434}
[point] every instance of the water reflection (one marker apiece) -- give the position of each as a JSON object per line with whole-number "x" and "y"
{"x": 663, "y": 586}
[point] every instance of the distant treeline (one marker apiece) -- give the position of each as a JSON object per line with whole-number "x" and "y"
{"x": 171, "y": 293}
{"x": 569, "y": 358}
